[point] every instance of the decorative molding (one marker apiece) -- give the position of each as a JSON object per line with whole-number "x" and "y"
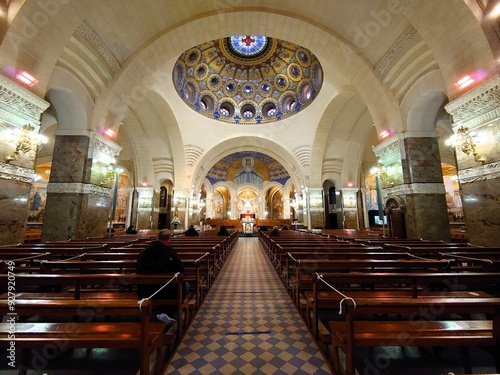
{"x": 479, "y": 173}
{"x": 77, "y": 188}
{"x": 193, "y": 154}
{"x": 20, "y": 105}
{"x": 391, "y": 150}
{"x": 104, "y": 145}
{"x": 393, "y": 51}
{"x": 418, "y": 188}
{"x": 97, "y": 43}
{"x": 477, "y": 107}
{"x": 303, "y": 155}
{"x": 16, "y": 173}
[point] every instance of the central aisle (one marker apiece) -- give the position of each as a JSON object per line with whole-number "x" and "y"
{"x": 248, "y": 324}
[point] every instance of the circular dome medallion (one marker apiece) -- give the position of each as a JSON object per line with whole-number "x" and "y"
{"x": 230, "y": 88}
{"x": 248, "y": 45}
{"x": 248, "y": 90}
{"x": 247, "y": 79}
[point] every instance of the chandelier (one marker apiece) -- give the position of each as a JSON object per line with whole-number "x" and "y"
{"x": 466, "y": 141}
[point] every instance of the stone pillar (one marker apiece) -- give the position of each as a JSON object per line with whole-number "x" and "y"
{"x": 349, "y": 203}
{"x": 477, "y": 115}
{"x": 316, "y": 208}
{"x": 146, "y": 214}
{"x": 410, "y": 174}
{"x": 20, "y": 112}
{"x": 79, "y": 192}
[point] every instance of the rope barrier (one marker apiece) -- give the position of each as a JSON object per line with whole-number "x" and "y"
{"x": 155, "y": 293}
{"x": 64, "y": 260}
{"x": 31, "y": 257}
{"x": 345, "y": 298}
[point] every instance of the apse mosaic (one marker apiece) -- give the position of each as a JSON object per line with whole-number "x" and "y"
{"x": 247, "y": 79}
{"x": 248, "y": 168}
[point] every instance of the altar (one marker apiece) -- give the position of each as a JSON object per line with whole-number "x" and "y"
{"x": 247, "y": 227}
{"x": 247, "y": 223}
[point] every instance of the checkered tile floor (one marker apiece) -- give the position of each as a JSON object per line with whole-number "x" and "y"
{"x": 248, "y": 324}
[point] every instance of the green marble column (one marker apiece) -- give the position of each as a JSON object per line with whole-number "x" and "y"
{"x": 80, "y": 187}
{"x": 411, "y": 175}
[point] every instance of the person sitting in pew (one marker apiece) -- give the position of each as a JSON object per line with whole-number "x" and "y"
{"x": 191, "y": 231}
{"x": 131, "y": 230}
{"x": 275, "y": 232}
{"x": 223, "y": 231}
{"x": 159, "y": 257}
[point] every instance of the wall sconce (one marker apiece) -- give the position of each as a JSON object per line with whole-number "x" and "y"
{"x": 466, "y": 142}
{"x": 26, "y": 139}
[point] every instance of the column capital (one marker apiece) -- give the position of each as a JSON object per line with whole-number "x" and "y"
{"x": 478, "y": 106}
{"x": 19, "y": 106}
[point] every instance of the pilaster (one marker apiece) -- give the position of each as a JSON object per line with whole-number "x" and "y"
{"x": 20, "y": 112}
{"x": 478, "y": 112}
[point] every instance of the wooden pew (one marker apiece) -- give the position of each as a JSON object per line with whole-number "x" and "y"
{"x": 420, "y": 327}
{"x": 325, "y": 297}
{"x": 59, "y": 333}
{"x": 98, "y": 286}
{"x": 301, "y": 270}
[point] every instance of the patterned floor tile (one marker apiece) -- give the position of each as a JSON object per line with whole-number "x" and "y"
{"x": 248, "y": 324}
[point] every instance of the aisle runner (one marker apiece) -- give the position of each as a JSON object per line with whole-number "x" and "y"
{"x": 248, "y": 324}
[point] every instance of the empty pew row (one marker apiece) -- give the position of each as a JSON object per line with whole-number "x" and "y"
{"x": 325, "y": 296}
{"x": 414, "y": 322}
{"x": 300, "y": 271}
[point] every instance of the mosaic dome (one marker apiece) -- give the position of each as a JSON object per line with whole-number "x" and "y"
{"x": 247, "y": 79}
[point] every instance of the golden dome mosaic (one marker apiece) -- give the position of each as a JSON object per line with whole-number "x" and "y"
{"x": 247, "y": 79}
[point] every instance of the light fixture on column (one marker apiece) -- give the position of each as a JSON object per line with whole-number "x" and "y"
{"x": 113, "y": 171}
{"x": 466, "y": 142}
{"x": 26, "y": 139}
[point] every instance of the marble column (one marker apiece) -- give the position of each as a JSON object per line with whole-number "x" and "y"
{"x": 147, "y": 208}
{"x": 412, "y": 184}
{"x": 478, "y": 114}
{"x": 79, "y": 192}
{"x": 316, "y": 208}
{"x": 349, "y": 204}
{"x": 20, "y": 112}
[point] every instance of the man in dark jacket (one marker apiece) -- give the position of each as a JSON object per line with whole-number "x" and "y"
{"x": 160, "y": 258}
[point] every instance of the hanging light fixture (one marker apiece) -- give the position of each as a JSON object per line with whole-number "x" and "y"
{"x": 26, "y": 139}
{"x": 466, "y": 141}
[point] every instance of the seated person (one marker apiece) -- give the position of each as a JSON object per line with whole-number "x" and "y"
{"x": 191, "y": 231}
{"x": 263, "y": 228}
{"x": 285, "y": 227}
{"x": 131, "y": 230}
{"x": 160, "y": 258}
{"x": 223, "y": 231}
{"x": 275, "y": 232}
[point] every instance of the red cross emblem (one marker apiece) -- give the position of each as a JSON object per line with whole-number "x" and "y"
{"x": 248, "y": 40}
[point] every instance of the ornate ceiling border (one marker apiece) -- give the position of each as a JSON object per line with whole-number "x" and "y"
{"x": 100, "y": 47}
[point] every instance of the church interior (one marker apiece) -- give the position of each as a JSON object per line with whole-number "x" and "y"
{"x": 342, "y": 120}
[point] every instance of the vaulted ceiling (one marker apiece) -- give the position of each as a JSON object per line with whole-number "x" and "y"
{"x": 109, "y": 63}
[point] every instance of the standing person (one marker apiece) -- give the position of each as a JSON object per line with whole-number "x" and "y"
{"x": 160, "y": 258}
